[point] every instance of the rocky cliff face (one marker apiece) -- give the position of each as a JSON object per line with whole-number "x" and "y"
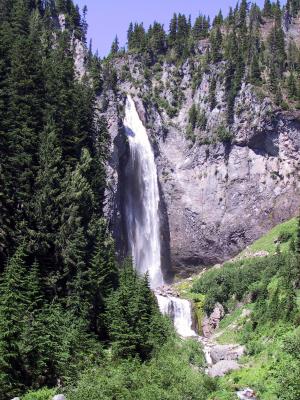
{"x": 216, "y": 196}
{"x": 221, "y": 197}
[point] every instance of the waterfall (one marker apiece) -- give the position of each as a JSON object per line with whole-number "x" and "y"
{"x": 180, "y": 312}
{"x": 142, "y": 217}
{"x": 142, "y": 199}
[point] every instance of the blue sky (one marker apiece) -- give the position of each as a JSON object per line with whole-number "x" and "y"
{"x": 108, "y": 18}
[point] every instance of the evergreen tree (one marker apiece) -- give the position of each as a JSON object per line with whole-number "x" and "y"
{"x": 216, "y": 44}
{"x": 12, "y": 308}
{"x": 45, "y": 207}
{"x": 137, "y": 37}
{"x": 172, "y": 31}
{"x": 147, "y": 308}
{"x": 234, "y": 73}
{"x": 6, "y": 206}
{"x": 230, "y": 18}
{"x": 122, "y": 313}
{"x": 242, "y": 27}
{"x": 20, "y": 299}
{"x": 255, "y": 74}
{"x": 193, "y": 116}
{"x": 212, "y": 93}
{"x": 115, "y": 46}
{"x": 76, "y": 201}
{"x": 200, "y": 28}
{"x": 129, "y": 35}
{"x": 157, "y": 39}
{"x": 267, "y": 9}
{"x": 291, "y": 84}
{"x": 84, "y": 23}
{"x": 182, "y": 36}
{"x": 132, "y": 314}
{"x": 273, "y": 82}
{"x": 25, "y": 106}
{"x": 277, "y": 55}
{"x": 218, "y": 20}
{"x": 102, "y": 277}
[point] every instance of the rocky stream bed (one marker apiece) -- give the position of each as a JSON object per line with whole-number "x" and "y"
{"x": 220, "y": 358}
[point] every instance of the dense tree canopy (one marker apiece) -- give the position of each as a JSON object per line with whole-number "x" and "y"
{"x": 57, "y": 258}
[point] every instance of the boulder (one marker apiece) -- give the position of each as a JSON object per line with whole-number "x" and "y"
{"x": 211, "y": 322}
{"x": 246, "y": 394}
{"x": 226, "y": 352}
{"x": 59, "y": 397}
{"x": 223, "y": 367}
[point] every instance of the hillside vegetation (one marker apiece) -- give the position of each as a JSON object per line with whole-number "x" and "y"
{"x": 63, "y": 297}
{"x": 73, "y": 318}
{"x": 281, "y": 237}
{"x": 268, "y": 288}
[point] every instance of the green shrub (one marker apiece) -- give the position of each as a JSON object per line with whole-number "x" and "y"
{"x": 224, "y": 134}
{"x": 284, "y": 236}
{"x": 167, "y": 376}
{"x": 291, "y": 343}
{"x": 242, "y": 277}
{"x": 190, "y": 134}
{"x": 202, "y": 120}
{"x": 42, "y": 394}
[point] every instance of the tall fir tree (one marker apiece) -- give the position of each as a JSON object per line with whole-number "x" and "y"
{"x": 267, "y": 9}
{"x": 102, "y": 277}
{"x": 45, "y": 207}
{"x": 115, "y": 46}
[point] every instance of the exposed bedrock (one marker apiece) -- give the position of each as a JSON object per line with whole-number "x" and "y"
{"x": 222, "y": 197}
{"x": 215, "y": 198}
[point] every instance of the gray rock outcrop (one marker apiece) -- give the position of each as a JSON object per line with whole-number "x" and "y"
{"x": 222, "y": 197}
{"x": 221, "y": 359}
{"x": 226, "y": 352}
{"x": 246, "y": 394}
{"x": 223, "y": 367}
{"x": 59, "y": 397}
{"x": 211, "y": 323}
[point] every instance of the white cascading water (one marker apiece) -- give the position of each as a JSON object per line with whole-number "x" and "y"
{"x": 142, "y": 199}
{"x": 142, "y": 217}
{"x": 180, "y": 311}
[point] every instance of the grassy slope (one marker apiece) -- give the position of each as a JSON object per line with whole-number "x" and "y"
{"x": 268, "y": 241}
{"x": 264, "y": 351}
{"x": 265, "y": 347}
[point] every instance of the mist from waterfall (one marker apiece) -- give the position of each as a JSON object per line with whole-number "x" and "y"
{"x": 142, "y": 199}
